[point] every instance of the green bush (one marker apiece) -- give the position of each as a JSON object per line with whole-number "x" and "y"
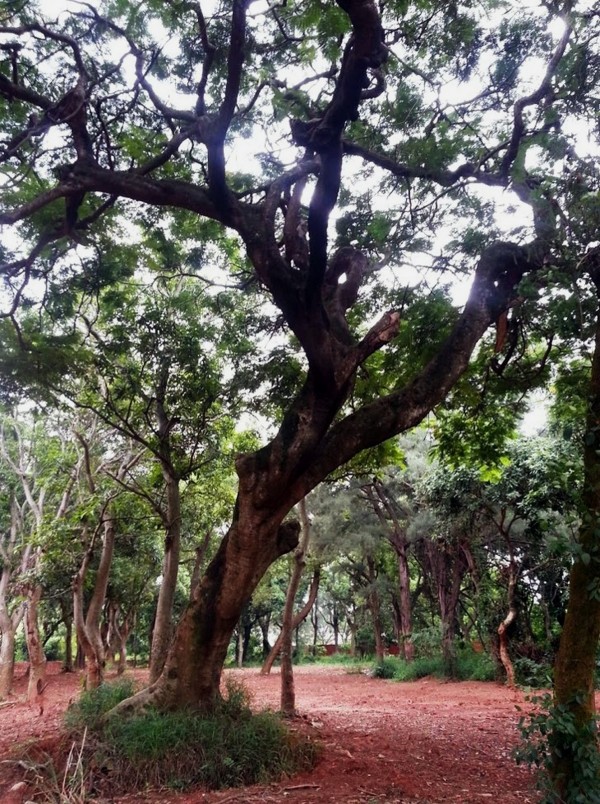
{"x": 551, "y": 734}
{"x": 470, "y": 666}
{"x": 419, "y": 668}
{"x": 532, "y": 674}
{"x": 89, "y": 710}
{"x": 427, "y": 642}
{"x": 229, "y": 747}
{"x": 385, "y": 669}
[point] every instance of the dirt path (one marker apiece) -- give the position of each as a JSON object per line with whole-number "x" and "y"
{"x": 426, "y": 741}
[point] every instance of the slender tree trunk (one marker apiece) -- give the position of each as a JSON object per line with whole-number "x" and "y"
{"x": 387, "y": 513}
{"x": 94, "y": 612}
{"x": 68, "y": 661}
{"x": 298, "y": 620}
{"x": 88, "y": 626}
{"x": 506, "y": 623}
{"x": 335, "y": 627}
{"x": 9, "y": 621}
{"x": 375, "y": 609}
{"x": 37, "y": 658}
{"x": 575, "y": 668}
{"x": 118, "y": 632}
{"x": 264, "y": 623}
{"x": 7, "y": 662}
{"x": 374, "y": 606}
{"x": 405, "y": 607}
{"x": 448, "y": 607}
{"x": 163, "y": 623}
{"x": 288, "y": 692}
{"x": 240, "y": 646}
{"x": 123, "y": 635}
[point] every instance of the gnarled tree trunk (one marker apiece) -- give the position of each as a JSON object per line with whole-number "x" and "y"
{"x": 504, "y": 627}
{"x": 192, "y": 674}
{"x": 87, "y": 625}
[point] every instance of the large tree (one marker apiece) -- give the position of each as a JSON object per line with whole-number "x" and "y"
{"x": 116, "y": 110}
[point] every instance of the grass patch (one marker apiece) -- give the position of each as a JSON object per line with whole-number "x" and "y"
{"x": 420, "y": 667}
{"x": 469, "y": 666}
{"x": 229, "y": 747}
{"x": 92, "y": 705}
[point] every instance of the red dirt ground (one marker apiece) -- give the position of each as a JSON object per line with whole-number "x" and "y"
{"x": 423, "y": 742}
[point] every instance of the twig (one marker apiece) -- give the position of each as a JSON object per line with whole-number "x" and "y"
{"x": 302, "y": 787}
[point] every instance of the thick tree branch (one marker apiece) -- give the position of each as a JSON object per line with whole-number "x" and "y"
{"x": 499, "y": 271}
{"x": 364, "y": 51}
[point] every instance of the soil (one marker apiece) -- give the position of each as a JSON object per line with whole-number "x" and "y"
{"x": 422, "y": 742}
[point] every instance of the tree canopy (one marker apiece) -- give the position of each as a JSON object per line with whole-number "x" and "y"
{"x": 312, "y": 178}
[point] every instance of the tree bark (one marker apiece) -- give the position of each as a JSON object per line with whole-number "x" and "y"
{"x": 163, "y": 623}
{"x": 35, "y": 650}
{"x": 118, "y": 632}
{"x": 192, "y": 674}
{"x": 386, "y": 511}
{"x": 405, "y": 609}
{"x": 575, "y": 668}
{"x": 288, "y": 692}
{"x": 9, "y": 620}
{"x": 506, "y": 623}
{"x": 263, "y": 623}
{"x": 88, "y": 625}
{"x": 68, "y": 621}
{"x": 374, "y": 606}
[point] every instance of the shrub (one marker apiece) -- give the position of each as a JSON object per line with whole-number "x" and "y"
{"x": 385, "y": 669}
{"x": 419, "y": 668}
{"x": 471, "y": 666}
{"x": 549, "y": 732}
{"x": 231, "y": 746}
{"x": 427, "y": 641}
{"x": 530, "y": 673}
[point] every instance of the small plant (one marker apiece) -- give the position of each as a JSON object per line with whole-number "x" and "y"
{"x": 385, "y": 669}
{"x": 550, "y": 736}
